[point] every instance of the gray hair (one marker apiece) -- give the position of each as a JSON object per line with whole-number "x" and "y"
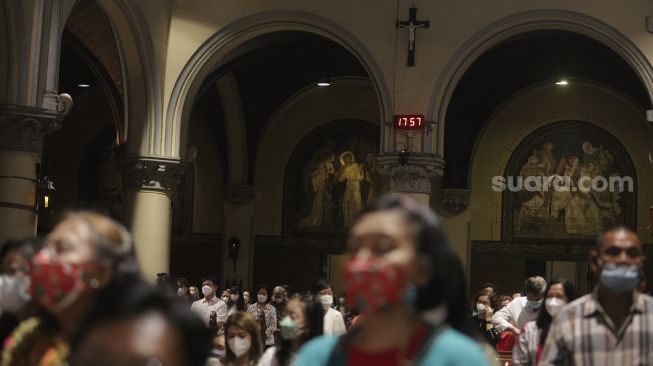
{"x": 535, "y": 285}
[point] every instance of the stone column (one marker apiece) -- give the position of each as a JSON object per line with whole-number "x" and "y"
{"x": 239, "y": 223}
{"x": 22, "y": 130}
{"x": 411, "y": 174}
{"x": 149, "y": 186}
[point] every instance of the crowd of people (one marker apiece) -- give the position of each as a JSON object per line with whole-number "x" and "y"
{"x": 77, "y": 298}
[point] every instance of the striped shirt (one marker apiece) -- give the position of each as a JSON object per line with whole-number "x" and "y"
{"x": 583, "y": 334}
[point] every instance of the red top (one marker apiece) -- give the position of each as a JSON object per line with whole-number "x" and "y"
{"x": 389, "y": 357}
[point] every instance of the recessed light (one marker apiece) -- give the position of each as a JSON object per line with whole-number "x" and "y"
{"x": 84, "y": 85}
{"x": 562, "y": 82}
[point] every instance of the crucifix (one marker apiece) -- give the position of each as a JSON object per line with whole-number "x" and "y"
{"x": 412, "y": 24}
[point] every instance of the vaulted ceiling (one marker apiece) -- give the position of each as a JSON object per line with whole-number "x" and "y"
{"x": 510, "y": 67}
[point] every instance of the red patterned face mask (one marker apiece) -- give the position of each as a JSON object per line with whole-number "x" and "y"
{"x": 373, "y": 286}
{"x": 55, "y": 285}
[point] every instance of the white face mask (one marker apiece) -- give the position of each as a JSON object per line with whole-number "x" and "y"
{"x": 233, "y": 297}
{"x": 553, "y": 305}
{"x": 206, "y": 290}
{"x": 261, "y": 298}
{"x": 13, "y": 293}
{"x": 225, "y": 298}
{"x": 480, "y": 308}
{"x": 239, "y": 346}
{"x": 180, "y": 292}
{"x": 326, "y": 301}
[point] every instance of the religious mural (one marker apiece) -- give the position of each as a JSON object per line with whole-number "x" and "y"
{"x": 569, "y": 181}
{"x": 332, "y": 175}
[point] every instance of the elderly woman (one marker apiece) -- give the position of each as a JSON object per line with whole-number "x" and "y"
{"x": 85, "y": 262}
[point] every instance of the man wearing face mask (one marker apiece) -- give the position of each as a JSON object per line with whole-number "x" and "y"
{"x": 612, "y": 325}
{"x": 522, "y": 309}
{"x": 210, "y": 303}
{"x": 334, "y": 324}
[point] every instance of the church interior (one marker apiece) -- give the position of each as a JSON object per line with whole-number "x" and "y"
{"x": 240, "y": 139}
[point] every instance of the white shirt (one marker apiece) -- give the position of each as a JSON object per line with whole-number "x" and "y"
{"x": 269, "y": 358}
{"x": 334, "y": 324}
{"x": 203, "y": 308}
{"x": 524, "y": 351}
{"x": 516, "y": 312}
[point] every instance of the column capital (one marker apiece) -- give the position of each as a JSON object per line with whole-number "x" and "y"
{"x": 151, "y": 174}
{"x": 24, "y": 128}
{"x": 410, "y": 173}
{"x": 455, "y": 200}
{"x": 239, "y": 194}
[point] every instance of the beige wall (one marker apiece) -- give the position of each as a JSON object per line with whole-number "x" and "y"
{"x": 538, "y": 107}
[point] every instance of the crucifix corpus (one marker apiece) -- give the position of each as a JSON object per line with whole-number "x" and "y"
{"x": 412, "y": 24}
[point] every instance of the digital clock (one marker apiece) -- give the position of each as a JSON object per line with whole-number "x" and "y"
{"x": 408, "y": 121}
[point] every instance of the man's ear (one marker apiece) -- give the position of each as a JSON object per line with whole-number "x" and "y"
{"x": 593, "y": 259}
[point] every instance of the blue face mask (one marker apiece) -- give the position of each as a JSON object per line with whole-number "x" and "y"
{"x": 619, "y": 278}
{"x": 534, "y": 304}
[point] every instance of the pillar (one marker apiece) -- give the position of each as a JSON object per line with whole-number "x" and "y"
{"x": 149, "y": 186}
{"x": 239, "y": 223}
{"x": 22, "y": 130}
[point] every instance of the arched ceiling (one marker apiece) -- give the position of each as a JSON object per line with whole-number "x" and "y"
{"x": 269, "y": 70}
{"x": 518, "y": 63}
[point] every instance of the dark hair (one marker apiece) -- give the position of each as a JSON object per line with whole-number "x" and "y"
{"x": 139, "y": 299}
{"x": 314, "y": 318}
{"x": 318, "y": 286}
{"x": 182, "y": 282}
{"x": 240, "y": 303}
{"x": 211, "y": 279}
{"x": 246, "y": 322}
{"x": 492, "y": 298}
{"x": 543, "y": 320}
{"x": 431, "y": 243}
{"x": 267, "y": 289}
{"x": 503, "y": 298}
{"x": 490, "y": 285}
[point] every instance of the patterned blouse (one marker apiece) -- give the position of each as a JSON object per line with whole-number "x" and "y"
{"x": 268, "y": 320}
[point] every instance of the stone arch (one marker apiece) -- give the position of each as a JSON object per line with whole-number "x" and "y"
{"x": 510, "y": 26}
{"x": 219, "y": 46}
{"x": 142, "y": 98}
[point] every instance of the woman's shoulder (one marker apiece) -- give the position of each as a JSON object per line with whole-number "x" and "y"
{"x": 317, "y": 351}
{"x": 451, "y": 347}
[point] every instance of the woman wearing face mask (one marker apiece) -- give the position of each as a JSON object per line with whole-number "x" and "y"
{"x": 86, "y": 260}
{"x": 529, "y": 344}
{"x": 334, "y": 324}
{"x": 302, "y": 322}
{"x": 399, "y": 274}
{"x": 15, "y": 304}
{"x": 265, "y": 314}
{"x": 244, "y": 345}
{"x": 235, "y": 302}
{"x": 485, "y": 305}
{"x": 194, "y": 294}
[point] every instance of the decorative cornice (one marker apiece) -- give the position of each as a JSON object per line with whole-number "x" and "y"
{"x": 455, "y": 200}
{"x": 24, "y": 128}
{"x": 410, "y": 174}
{"x": 239, "y": 194}
{"x": 151, "y": 174}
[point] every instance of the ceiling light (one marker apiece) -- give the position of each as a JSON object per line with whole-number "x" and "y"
{"x": 562, "y": 82}
{"x": 324, "y": 81}
{"x": 84, "y": 85}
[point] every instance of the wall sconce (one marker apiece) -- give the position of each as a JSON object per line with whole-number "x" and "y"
{"x": 44, "y": 189}
{"x": 234, "y": 247}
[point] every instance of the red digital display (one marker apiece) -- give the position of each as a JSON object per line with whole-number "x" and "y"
{"x": 408, "y": 121}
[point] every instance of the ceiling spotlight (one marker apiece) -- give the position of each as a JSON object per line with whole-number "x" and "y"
{"x": 84, "y": 85}
{"x": 324, "y": 81}
{"x": 562, "y": 82}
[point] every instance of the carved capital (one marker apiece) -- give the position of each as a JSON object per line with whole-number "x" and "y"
{"x": 24, "y": 128}
{"x": 239, "y": 194}
{"x": 455, "y": 200}
{"x": 410, "y": 174}
{"x": 151, "y": 174}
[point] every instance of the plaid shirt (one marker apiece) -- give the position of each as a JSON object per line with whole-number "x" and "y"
{"x": 583, "y": 334}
